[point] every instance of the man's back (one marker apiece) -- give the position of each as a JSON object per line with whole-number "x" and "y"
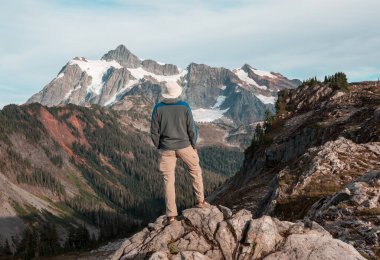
{"x": 174, "y": 132}
{"x": 172, "y": 125}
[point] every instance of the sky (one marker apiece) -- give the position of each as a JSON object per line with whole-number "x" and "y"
{"x": 298, "y": 38}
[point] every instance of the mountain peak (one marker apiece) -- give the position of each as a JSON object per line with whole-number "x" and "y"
{"x": 122, "y": 47}
{"x": 124, "y": 56}
{"x": 246, "y": 66}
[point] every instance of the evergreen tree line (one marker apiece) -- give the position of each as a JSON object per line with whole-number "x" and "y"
{"x": 261, "y": 129}
{"x": 40, "y": 177}
{"x": 17, "y": 119}
{"x": 39, "y": 239}
{"x": 110, "y": 223}
{"x": 337, "y": 81}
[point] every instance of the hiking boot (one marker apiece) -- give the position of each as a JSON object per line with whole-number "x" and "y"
{"x": 203, "y": 204}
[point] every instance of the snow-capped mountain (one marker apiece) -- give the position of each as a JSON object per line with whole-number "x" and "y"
{"x": 241, "y": 95}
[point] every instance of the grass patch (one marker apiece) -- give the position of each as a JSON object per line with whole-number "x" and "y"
{"x": 173, "y": 249}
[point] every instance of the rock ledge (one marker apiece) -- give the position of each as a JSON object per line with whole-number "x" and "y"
{"x": 216, "y": 233}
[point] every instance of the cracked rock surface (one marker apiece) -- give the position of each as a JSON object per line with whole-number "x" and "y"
{"x": 353, "y": 214}
{"x": 209, "y": 233}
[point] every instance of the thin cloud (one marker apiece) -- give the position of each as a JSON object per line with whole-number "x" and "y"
{"x": 297, "y": 38}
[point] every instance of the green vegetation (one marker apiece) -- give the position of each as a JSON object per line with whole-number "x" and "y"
{"x": 173, "y": 249}
{"x": 264, "y": 132}
{"x": 54, "y": 158}
{"x": 311, "y": 82}
{"x": 16, "y": 119}
{"x": 221, "y": 160}
{"x": 39, "y": 240}
{"x": 41, "y": 178}
{"x": 337, "y": 81}
{"x": 79, "y": 238}
{"x": 280, "y": 105}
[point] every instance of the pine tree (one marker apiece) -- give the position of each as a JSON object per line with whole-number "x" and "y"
{"x": 7, "y": 248}
{"x": 28, "y": 245}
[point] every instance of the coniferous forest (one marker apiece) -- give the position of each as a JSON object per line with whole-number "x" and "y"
{"x": 97, "y": 172}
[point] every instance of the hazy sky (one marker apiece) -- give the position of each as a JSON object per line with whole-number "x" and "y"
{"x": 298, "y": 38}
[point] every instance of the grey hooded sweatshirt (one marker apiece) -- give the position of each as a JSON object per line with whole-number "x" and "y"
{"x": 172, "y": 125}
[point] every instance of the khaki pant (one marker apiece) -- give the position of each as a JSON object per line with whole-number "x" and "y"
{"x": 168, "y": 159}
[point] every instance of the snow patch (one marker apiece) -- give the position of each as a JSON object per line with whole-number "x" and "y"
{"x": 265, "y": 99}
{"x": 263, "y": 73}
{"x": 68, "y": 94}
{"x": 222, "y": 87}
{"x": 219, "y": 101}
{"x": 140, "y": 73}
{"x": 242, "y": 75}
{"x": 212, "y": 114}
{"x": 96, "y": 69}
{"x": 160, "y": 63}
{"x": 207, "y": 115}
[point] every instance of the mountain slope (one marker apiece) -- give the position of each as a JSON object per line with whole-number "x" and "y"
{"x": 120, "y": 75}
{"x": 75, "y": 166}
{"x": 321, "y": 139}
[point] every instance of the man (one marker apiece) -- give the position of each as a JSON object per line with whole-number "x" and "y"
{"x": 175, "y": 134}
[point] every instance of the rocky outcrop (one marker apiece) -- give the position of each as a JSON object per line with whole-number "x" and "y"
{"x": 353, "y": 214}
{"x": 216, "y": 233}
{"x": 325, "y": 169}
{"x": 311, "y": 151}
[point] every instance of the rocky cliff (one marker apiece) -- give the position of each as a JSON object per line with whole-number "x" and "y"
{"x": 320, "y": 137}
{"x": 321, "y": 140}
{"x": 216, "y": 233}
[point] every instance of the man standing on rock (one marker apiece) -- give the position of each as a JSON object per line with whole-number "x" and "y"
{"x": 175, "y": 134}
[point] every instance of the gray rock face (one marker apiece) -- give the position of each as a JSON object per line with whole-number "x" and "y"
{"x": 206, "y": 234}
{"x": 127, "y": 59}
{"x": 114, "y": 81}
{"x": 205, "y": 84}
{"x": 74, "y": 81}
{"x": 160, "y": 69}
{"x": 276, "y": 83}
{"x": 123, "y": 56}
{"x": 245, "y": 107}
{"x": 353, "y": 214}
